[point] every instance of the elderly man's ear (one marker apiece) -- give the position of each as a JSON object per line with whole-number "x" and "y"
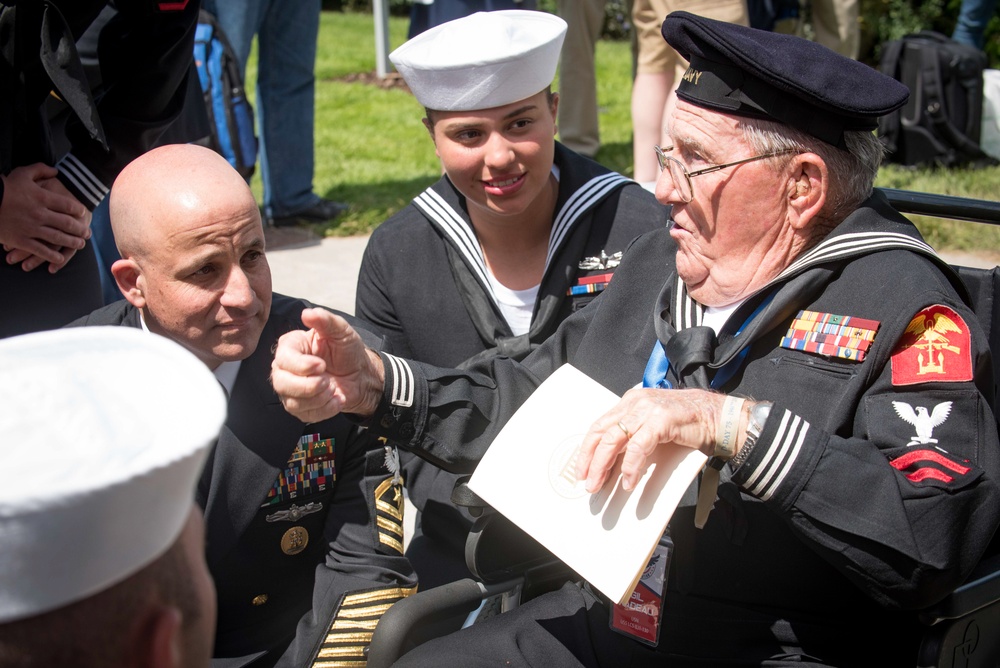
{"x": 808, "y": 185}
{"x": 129, "y": 278}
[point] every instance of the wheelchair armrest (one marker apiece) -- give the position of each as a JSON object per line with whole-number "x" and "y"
{"x": 981, "y": 589}
{"x": 462, "y": 495}
{"x": 497, "y": 550}
{"x": 425, "y": 615}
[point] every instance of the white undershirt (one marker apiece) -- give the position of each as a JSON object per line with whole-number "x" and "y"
{"x": 515, "y": 305}
{"x": 716, "y": 316}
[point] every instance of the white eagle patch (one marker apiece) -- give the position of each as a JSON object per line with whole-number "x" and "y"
{"x": 922, "y": 420}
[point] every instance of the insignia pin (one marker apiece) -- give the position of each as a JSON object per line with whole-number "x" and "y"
{"x": 294, "y": 541}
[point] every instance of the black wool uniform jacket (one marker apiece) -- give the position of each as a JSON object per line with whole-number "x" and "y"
{"x": 49, "y": 114}
{"x": 873, "y": 488}
{"x": 303, "y": 522}
{"x": 423, "y": 283}
{"x": 145, "y": 53}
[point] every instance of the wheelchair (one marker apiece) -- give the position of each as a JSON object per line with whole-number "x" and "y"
{"x": 510, "y": 567}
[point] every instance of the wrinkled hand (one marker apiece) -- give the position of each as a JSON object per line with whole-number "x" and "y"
{"x": 40, "y": 220}
{"x": 654, "y": 419}
{"x": 326, "y": 370}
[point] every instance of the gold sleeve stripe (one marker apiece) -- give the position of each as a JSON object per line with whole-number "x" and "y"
{"x": 367, "y": 611}
{"x": 391, "y": 542}
{"x": 361, "y": 598}
{"x": 354, "y": 651}
{"x": 389, "y": 509}
{"x": 352, "y": 624}
{"x": 362, "y": 637}
{"x": 389, "y": 525}
{"x": 352, "y": 628}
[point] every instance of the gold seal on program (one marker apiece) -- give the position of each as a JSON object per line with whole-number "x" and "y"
{"x": 562, "y": 469}
{"x": 294, "y": 540}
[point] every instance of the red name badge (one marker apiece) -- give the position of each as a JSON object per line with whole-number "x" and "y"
{"x": 640, "y": 617}
{"x": 935, "y": 348}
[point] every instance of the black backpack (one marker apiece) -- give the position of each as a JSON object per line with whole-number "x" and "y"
{"x": 229, "y": 111}
{"x": 941, "y": 122}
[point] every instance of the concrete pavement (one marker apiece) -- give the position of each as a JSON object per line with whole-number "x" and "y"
{"x": 322, "y": 270}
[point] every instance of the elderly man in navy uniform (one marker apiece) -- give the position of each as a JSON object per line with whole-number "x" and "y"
{"x": 790, "y": 325}
{"x": 519, "y": 233}
{"x": 304, "y": 522}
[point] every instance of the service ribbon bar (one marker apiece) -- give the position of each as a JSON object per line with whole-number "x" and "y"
{"x": 844, "y": 336}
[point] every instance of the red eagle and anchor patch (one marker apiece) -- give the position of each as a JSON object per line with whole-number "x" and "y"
{"x": 935, "y": 348}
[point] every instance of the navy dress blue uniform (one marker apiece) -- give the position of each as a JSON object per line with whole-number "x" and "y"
{"x": 431, "y": 242}
{"x": 145, "y": 56}
{"x": 303, "y": 522}
{"x": 872, "y": 489}
{"x": 829, "y": 534}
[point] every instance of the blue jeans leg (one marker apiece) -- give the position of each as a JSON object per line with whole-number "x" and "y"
{"x": 286, "y": 32}
{"x": 972, "y": 20}
{"x": 286, "y": 87}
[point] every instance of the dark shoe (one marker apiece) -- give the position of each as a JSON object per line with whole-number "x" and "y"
{"x": 322, "y": 211}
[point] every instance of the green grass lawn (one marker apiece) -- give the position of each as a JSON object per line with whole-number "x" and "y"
{"x": 373, "y": 152}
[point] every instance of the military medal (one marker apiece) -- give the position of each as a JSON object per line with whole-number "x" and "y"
{"x": 295, "y": 540}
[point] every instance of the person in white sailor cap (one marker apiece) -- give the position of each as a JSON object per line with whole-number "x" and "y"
{"x": 518, "y": 233}
{"x": 103, "y": 435}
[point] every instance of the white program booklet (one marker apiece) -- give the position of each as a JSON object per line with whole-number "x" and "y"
{"x": 529, "y": 475}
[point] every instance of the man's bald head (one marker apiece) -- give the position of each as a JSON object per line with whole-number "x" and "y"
{"x": 167, "y": 182}
{"x": 192, "y": 246}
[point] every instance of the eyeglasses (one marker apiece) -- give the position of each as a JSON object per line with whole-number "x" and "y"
{"x": 682, "y": 177}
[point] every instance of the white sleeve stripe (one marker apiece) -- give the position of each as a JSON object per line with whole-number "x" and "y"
{"x": 797, "y": 448}
{"x": 402, "y": 382}
{"x": 81, "y": 177}
{"x": 782, "y": 427}
{"x": 781, "y": 456}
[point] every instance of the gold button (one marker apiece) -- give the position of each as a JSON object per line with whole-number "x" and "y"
{"x": 294, "y": 540}
{"x": 260, "y": 599}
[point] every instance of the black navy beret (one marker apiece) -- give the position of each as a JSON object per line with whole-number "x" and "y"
{"x": 762, "y": 74}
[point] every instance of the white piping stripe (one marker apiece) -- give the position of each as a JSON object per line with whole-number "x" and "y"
{"x": 860, "y": 245}
{"x": 678, "y": 309}
{"x": 578, "y": 203}
{"x": 851, "y": 243}
{"x": 690, "y": 312}
{"x": 402, "y": 382}
{"x": 455, "y": 227}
